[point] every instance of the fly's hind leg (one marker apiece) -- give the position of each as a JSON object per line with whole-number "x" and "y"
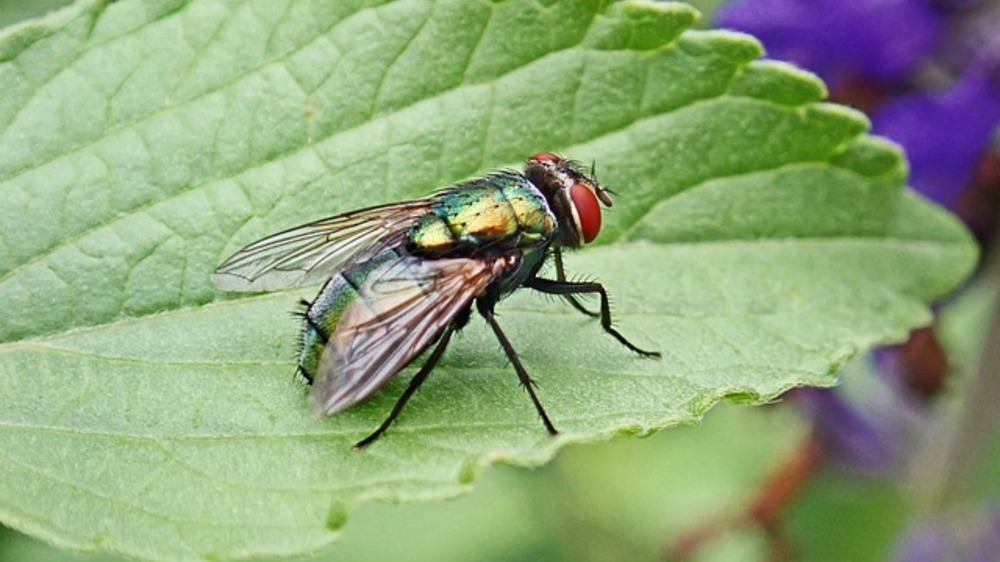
{"x": 415, "y": 383}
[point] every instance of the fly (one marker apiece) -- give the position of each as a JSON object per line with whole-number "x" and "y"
{"x": 403, "y": 277}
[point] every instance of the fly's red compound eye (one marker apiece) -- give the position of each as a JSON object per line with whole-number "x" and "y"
{"x": 588, "y": 209}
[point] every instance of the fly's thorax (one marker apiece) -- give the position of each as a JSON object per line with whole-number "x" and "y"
{"x": 574, "y": 197}
{"x": 535, "y": 219}
{"x": 500, "y": 211}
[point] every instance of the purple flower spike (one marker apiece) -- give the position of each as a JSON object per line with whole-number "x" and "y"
{"x": 944, "y": 135}
{"x": 877, "y": 39}
{"x": 848, "y": 437}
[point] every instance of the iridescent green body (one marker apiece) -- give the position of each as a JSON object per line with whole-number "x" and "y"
{"x": 495, "y": 214}
{"x": 324, "y": 312}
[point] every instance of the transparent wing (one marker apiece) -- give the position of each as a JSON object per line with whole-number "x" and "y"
{"x": 402, "y": 308}
{"x": 310, "y": 253}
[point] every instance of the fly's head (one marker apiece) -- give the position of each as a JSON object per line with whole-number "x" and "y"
{"x": 574, "y": 196}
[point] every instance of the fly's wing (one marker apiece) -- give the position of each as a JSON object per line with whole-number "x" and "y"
{"x": 402, "y": 307}
{"x": 310, "y": 253}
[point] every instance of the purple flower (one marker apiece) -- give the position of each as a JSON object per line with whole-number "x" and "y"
{"x": 944, "y": 134}
{"x": 971, "y": 537}
{"x": 924, "y": 543}
{"x": 988, "y": 541}
{"x": 878, "y": 39}
{"x": 850, "y": 438}
{"x": 973, "y": 43}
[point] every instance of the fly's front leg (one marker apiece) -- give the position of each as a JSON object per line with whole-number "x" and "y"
{"x": 565, "y": 288}
{"x": 561, "y": 277}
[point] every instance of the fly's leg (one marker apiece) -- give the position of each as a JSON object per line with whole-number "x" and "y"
{"x": 561, "y": 277}
{"x": 487, "y": 311}
{"x": 564, "y": 288}
{"x": 415, "y": 383}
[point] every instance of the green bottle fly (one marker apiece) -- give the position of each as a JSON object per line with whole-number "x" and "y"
{"x": 403, "y": 277}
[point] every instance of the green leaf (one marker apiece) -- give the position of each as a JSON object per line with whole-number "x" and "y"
{"x": 618, "y": 500}
{"x": 759, "y": 239}
{"x": 12, "y": 11}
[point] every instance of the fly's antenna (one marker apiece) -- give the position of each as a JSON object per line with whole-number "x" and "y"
{"x": 603, "y": 193}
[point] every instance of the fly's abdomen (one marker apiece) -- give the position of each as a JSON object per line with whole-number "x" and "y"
{"x": 500, "y": 211}
{"x": 324, "y": 314}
